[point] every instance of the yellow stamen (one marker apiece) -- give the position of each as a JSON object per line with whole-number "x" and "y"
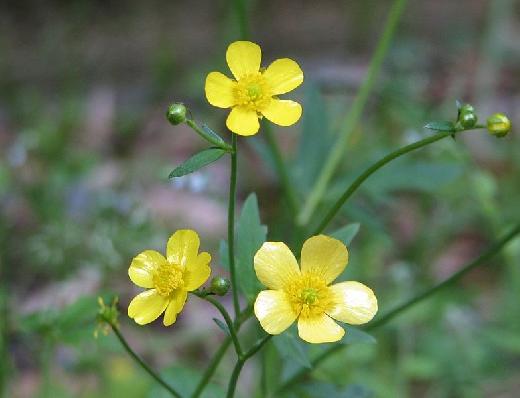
{"x": 167, "y": 278}
{"x": 253, "y": 92}
{"x": 309, "y": 295}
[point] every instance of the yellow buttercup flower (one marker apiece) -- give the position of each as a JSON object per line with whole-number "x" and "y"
{"x": 306, "y": 294}
{"x": 254, "y": 92}
{"x": 169, "y": 279}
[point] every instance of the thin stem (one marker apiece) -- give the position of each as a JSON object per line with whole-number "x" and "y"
{"x": 138, "y": 359}
{"x": 384, "y": 319}
{"x": 208, "y": 373}
{"x": 282, "y": 171}
{"x": 240, "y": 364}
{"x": 229, "y": 323}
{"x": 352, "y": 117}
{"x": 231, "y": 224}
{"x": 215, "y": 361}
{"x": 241, "y": 10}
{"x": 372, "y": 169}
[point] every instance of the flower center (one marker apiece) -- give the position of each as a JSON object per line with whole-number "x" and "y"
{"x": 309, "y": 295}
{"x": 167, "y": 278}
{"x": 252, "y": 92}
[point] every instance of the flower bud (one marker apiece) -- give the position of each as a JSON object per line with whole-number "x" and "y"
{"x": 467, "y": 116}
{"x": 498, "y": 125}
{"x": 219, "y": 285}
{"x": 176, "y": 113}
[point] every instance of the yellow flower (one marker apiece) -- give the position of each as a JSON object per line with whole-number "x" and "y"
{"x": 306, "y": 294}
{"x": 168, "y": 279}
{"x": 254, "y": 91}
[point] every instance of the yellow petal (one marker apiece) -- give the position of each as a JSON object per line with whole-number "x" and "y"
{"x": 282, "y": 112}
{"x": 243, "y": 121}
{"x": 243, "y": 58}
{"x": 275, "y": 265}
{"x": 197, "y": 272}
{"x": 177, "y": 301}
{"x": 143, "y": 266}
{"x": 319, "y": 329}
{"x": 147, "y": 306}
{"x": 283, "y": 75}
{"x": 354, "y": 303}
{"x": 182, "y": 247}
{"x": 324, "y": 256}
{"x": 274, "y": 311}
{"x": 219, "y": 90}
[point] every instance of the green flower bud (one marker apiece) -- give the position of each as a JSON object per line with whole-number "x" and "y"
{"x": 467, "y": 117}
{"x": 498, "y": 125}
{"x": 219, "y": 285}
{"x": 176, "y": 113}
{"x": 468, "y": 120}
{"x": 467, "y": 108}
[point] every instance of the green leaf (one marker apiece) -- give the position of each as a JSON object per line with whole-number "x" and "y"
{"x": 197, "y": 161}
{"x": 250, "y": 235}
{"x": 346, "y": 233}
{"x": 222, "y": 326}
{"x": 214, "y": 135}
{"x": 292, "y": 348}
{"x": 441, "y": 126}
{"x": 357, "y": 336}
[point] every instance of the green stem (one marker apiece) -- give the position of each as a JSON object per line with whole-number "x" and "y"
{"x": 229, "y": 322}
{"x": 384, "y": 319}
{"x": 138, "y": 359}
{"x": 208, "y": 373}
{"x": 352, "y": 118}
{"x": 283, "y": 173}
{"x": 372, "y": 169}
{"x": 240, "y": 364}
{"x": 241, "y": 10}
{"x": 212, "y": 138}
{"x": 231, "y": 224}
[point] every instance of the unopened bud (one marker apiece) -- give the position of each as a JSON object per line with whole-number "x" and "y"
{"x": 176, "y": 113}
{"x": 219, "y": 285}
{"x": 467, "y": 116}
{"x": 498, "y": 125}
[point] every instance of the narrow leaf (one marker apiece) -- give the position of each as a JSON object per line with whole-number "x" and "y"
{"x": 222, "y": 326}
{"x": 441, "y": 126}
{"x": 346, "y": 233}
{"x": 197, "y": 161}
{"x": 211, "y": 133}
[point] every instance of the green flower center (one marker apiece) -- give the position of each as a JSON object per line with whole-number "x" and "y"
{"x": 167, "y": 278}
{"x": 309, "y": 295}
{"x": 252, "y": 92}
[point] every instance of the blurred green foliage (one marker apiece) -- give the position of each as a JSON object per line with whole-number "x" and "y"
{"x": 418, "y": 219}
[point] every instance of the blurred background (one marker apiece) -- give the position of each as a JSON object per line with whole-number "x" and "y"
{"x": 86, "y": 151}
